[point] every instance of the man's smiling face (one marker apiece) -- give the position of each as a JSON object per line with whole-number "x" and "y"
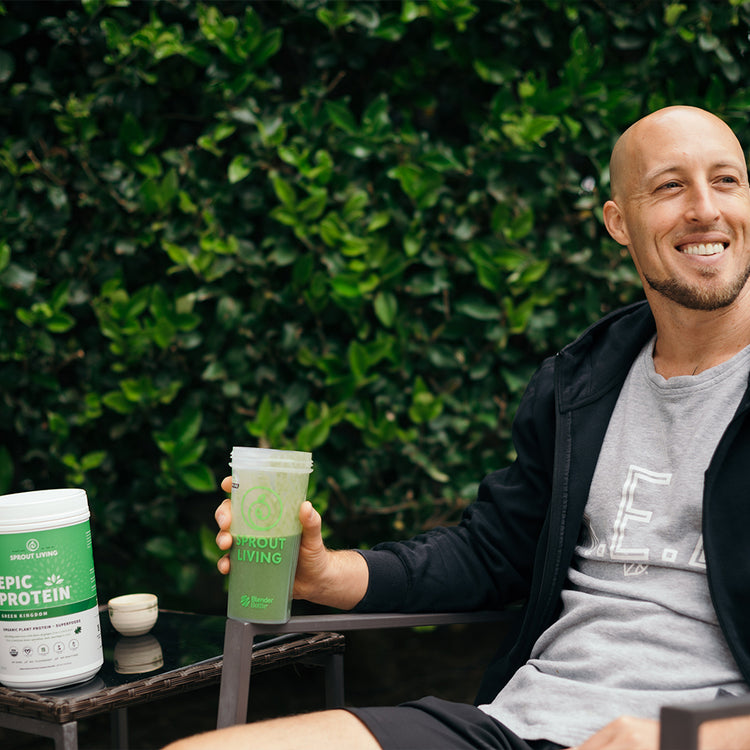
{"x": 681, "y": 204}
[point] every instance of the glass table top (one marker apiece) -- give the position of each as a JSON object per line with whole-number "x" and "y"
{"x": 183, "y": 651}
{"x": 177, "y": 640}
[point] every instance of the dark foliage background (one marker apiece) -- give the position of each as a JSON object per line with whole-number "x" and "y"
{"x": 347, "y": 227}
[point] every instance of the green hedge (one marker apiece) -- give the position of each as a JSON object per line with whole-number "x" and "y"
{"x": 347, "y": 227}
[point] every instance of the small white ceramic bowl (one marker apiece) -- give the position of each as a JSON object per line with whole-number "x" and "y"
{"x": 133, "y": 614}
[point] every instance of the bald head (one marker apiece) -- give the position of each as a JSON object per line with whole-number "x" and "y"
{"x": 626, "y": 161}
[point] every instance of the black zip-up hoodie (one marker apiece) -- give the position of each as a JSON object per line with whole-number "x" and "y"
{"x": 516, "y": 541}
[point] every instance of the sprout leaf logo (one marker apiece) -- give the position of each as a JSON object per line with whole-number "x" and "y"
{"x": 262, "y": 508}
{"x": 54, "y": 580}
{"x": 32, "y": 545}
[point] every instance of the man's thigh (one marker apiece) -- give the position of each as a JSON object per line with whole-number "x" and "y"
{"x": 322, "y": 730}
{"x": 435, "y": 724}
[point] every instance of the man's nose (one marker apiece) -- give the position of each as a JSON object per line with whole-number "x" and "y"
{"x": 702, "y": 205}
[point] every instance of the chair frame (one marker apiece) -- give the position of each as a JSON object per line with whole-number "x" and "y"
{"x": 239, "y": 636}
{"x": 679, "y": 725}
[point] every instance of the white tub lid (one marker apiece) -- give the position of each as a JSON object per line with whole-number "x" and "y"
{"x": 42, "y": 506}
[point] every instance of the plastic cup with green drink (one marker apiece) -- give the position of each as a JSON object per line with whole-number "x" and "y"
{"x": 268, "y": 488}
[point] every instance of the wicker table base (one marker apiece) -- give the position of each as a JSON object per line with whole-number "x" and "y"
{"x": 190, "y": 646}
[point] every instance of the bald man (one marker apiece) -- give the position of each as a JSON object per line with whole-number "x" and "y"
{"x": 623, "y": 522}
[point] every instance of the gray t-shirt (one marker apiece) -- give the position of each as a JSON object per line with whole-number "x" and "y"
{"x": 638, "y": 629}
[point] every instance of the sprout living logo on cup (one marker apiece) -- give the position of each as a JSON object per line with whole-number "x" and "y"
{"x": 262, "y": 508}
{"x": 268, "y": 488}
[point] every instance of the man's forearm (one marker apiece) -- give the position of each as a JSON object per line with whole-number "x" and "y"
{"x": 342, "y": 585}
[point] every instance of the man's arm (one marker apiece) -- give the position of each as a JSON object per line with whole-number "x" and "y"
{"x": 329, "y": 577}
{"x": 484, "y": 562}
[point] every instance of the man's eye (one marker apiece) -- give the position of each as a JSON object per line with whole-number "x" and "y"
{"x": 669, "y": 185}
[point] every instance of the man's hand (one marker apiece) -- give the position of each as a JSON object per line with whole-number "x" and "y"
{"x": 334, "y": 578}
{"x": 721, "y": 734}
{"x": 625, "y": 733}
{"x": 223, "y": 516}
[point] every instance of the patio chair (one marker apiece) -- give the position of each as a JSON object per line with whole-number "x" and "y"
{"x": 679, "y": 724}
{"x": 239, "y": 637}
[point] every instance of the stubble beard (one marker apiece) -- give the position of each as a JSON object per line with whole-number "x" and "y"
{"x": 701, "y": 296}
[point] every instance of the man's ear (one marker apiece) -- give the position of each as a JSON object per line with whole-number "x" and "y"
{"x": 615, "y": 223}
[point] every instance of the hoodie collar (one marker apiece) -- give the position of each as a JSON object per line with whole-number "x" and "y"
{"x": 600, "y": 358}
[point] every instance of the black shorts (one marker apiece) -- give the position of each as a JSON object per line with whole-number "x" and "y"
{"x": 435, "y": 724}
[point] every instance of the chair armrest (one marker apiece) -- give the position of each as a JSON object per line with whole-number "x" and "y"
{"x": 377, "y": 620}
{"x": 680, "y": 724}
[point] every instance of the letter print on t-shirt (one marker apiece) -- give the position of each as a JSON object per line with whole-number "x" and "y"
{"x": 629, "y": 515}
{"x": 629, "y": 539}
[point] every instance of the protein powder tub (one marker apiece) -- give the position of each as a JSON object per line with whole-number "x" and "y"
{"x": 49, "y": 619}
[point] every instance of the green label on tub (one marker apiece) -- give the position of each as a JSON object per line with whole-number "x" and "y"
{"x": 46, "y": 573}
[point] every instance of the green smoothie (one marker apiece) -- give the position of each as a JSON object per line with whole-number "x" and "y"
{"x": 262, "y": 577}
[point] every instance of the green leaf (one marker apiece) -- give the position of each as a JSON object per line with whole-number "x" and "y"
{"x": 359, "y": 361}
{"x": 150, "y": 166}
{"x": 132, "y": 135}
{"x": 345, "y": 286}
{"x": 340, "y": 115}
{"x": 116, "y": 401}
{"x": 270, "y": 45}
{"x": 528, "y": 129}
{"x": 312, "y": 207}
{"x": 521, "y": 225}
{"x": 4, "y": 255}
{"x": 375, "y": 118}
{"x": 412, "y": 244}
{"x": 7, "y": 66}
{"x": 424, "y": 406}
{"x": 378, "y": 221}
{"x": 284, "y": 191}
{"x": 477, "y": 309}
{"x": 672, "y": 12}
{"x": 186, "y": 428}
{"x": 334, "y": 18}
{"x": 239, "y": 168}
{"x": 179, "y": 255}
{"x": 422, "y": 185}
{"x": 386, "y": 308}
{"x": 93, "y": 460}
{"x": 198, "y": 477}
{"x": 60, "y": 323}
{"x": 313, "y": 434}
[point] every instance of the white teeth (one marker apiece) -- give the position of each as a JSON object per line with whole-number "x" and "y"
{"x": 710, "y": 248}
